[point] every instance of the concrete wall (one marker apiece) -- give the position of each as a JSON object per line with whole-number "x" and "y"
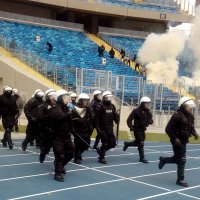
{"x": 26, "y": 9}
{"x": 92, "y": 15}
{"x": 147, "y": 26}
{"x": 114, "y": 10}
{"x": 14, "y": 76}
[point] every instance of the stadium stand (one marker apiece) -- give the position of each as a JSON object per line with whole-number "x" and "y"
{"x": 72, "y": 49}
{"x": 132, "y": 44}
{"x": 153, "y": 5}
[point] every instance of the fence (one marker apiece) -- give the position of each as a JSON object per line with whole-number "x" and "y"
{"x": 122, "y": 32}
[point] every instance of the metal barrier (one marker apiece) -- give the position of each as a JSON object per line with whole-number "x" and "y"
{"x": 122, "y": 32}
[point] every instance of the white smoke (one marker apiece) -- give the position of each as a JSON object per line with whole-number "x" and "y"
{"x": 163, "y": 71}
{"x": 160, "y": 52}
{"x": 194, "y": 42}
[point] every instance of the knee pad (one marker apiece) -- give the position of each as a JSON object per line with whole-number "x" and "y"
{"x": 141, "y": 144}
{"x": 181, "y": 161}
{"x": 8, "y": 130}
{"x": 60, "y": 156}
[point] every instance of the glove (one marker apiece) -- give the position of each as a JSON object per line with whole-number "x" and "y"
{"x": 132, "y": 129}
{"x": 151, "y": 122}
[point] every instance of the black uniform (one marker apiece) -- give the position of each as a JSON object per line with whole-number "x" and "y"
{"x": 62, "y": 144}
{"x": 9, "y": 111}
{"x": 112, "y": 53}
{"x": 45, "y": 129}
{"x": 105, "y": 116}
{"x": 83, "y": 128}
{"x": 50, "y": 47}
{"x": 142, "y": 118}
{"x": 20, "y": 106}
{"x": 94, "y": 105}
{"x": 181, "y": 127}
{"x": 32, "y": 129}
{"x": 101, "y": 50}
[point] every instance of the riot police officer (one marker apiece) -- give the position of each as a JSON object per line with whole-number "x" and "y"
{"x": 73, "y": 97}
{"x": 142, "y": 118}
{"x": 61, "y": 126}
{"x": 45, "y": 123}
{"x": 9, "y": 111}
{"x": 94, "y": 104}
{"x": 20, "y": 105}
{"x": 31, "y": 112}
{"x": 105, "y": 116}
{"x": 179, "y": 128}
{"x": 83, "y": 122}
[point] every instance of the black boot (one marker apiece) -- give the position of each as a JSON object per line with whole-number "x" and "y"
{"x": 10, "y": 146}
{"x": 180, "y": 172}
{"x": 78, "y": 157}
{"x": 182, "y": 183}
{"x": 77, "y": 161}
{"x": 161, "y": 163}
{"x": 102, "y": 160}
{"x": 42, "y": 157}
{"x": 24, "y": 146}
{"x": 59, "y": 177}
{"x": 125, "y": 147}
{"x": 164, "y": 160}
{"x": 4, "y": 143}
{"x": 128, "y": 144}
{"x": 64, "y": 171}
{"x": 141, "y": 153}
{"x": 142, "y": 160}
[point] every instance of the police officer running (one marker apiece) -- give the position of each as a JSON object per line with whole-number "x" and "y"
{"x": 61, "y": 125}
{"x": 142, "y": 118}
{"x": 94, "y": 104}
{"x": 45, "y": 123}
{"x": 31, "y": 112}
{"x": 105, "y": 116}
{"x": 179, "y": 128}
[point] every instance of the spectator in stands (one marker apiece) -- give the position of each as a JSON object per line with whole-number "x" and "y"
{"x": 137, "y": 66}
{"x": 127, "y": 60}
{"x": 142, "y": 70}
{"x": 112, "y": 53}
{"x": 12, "y": 46}
{"x": 101, "y": 50}
{"x": 134, "y": 57}
{"x": 49, "y": 47}
{"x": 122, "y": 53}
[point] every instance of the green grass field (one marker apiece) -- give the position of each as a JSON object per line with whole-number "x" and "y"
{"x": 159, "y": 137}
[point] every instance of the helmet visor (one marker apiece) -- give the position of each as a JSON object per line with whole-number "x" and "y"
{"x": 147, "y": 105}
{"x": 108, "y": 98}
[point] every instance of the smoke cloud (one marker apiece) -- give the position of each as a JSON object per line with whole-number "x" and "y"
{"x": 194, "y": 43}
{"x": 160, "y": 52}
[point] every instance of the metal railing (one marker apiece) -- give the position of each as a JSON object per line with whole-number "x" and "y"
{"x": 39, "y": 65}
{"x": 122, "y": 32}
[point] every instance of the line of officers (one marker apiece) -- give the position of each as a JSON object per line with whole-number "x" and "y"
{"x": 53, "y": 116}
